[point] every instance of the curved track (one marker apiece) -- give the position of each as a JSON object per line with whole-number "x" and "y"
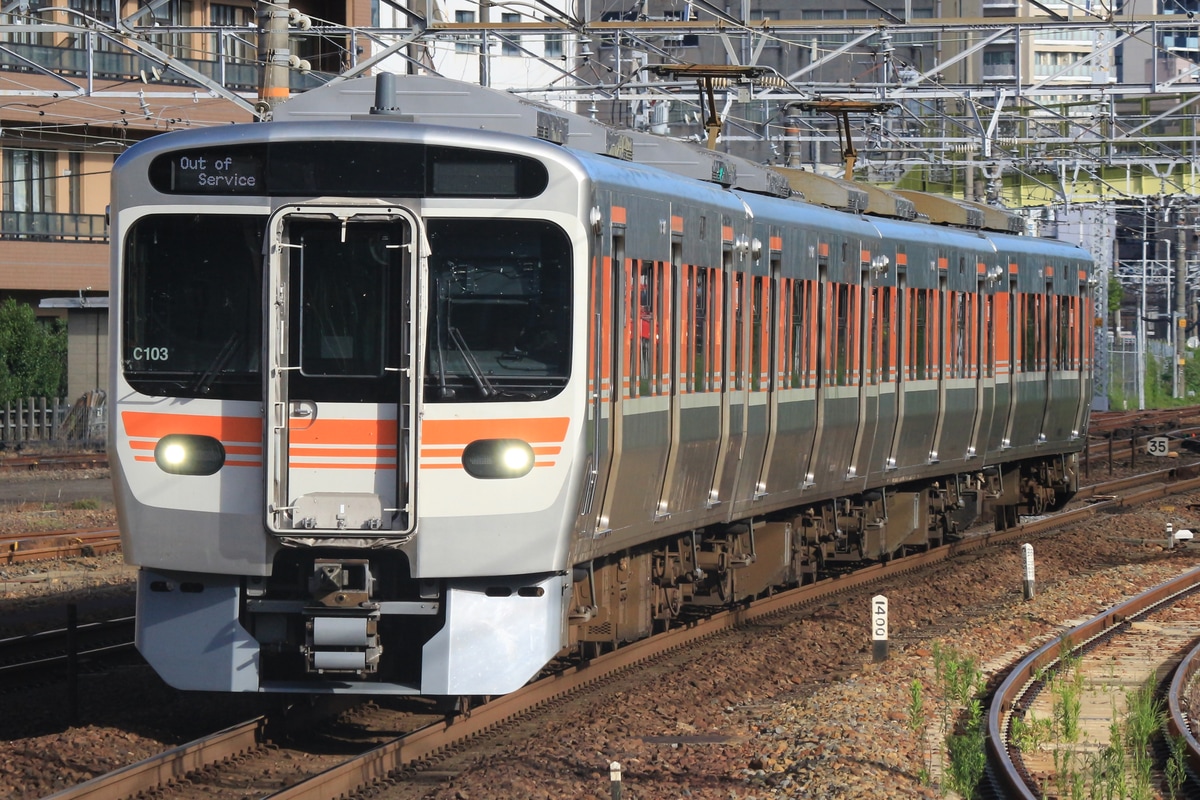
{"x": 1136, "y": 644}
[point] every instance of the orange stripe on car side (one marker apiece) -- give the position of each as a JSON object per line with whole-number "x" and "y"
{"x": 343, "y": 452}
{"x": 465, "y": 431}
{"x": 153, "y": 425}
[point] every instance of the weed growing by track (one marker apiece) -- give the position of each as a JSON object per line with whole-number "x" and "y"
{"x": 1122, "y": 767}
{"x": 961, "y": 684}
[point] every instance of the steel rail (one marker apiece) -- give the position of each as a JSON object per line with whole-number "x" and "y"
{"x": 15, "y": 547}
{"x": 172, "y": 765}
{"x": 1178, "y": 714}
{"x": 1009, "y": 772}
{"x": 406, "y": 753}
{"x": 389, "y": 760}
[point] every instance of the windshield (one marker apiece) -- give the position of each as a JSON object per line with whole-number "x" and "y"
{"x": 192, "y": 305}
{"x": 499, "y": 317}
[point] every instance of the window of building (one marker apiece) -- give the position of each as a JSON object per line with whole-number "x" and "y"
{"x": 237, "y": 45}
{"x": 74, "y": 183}
{"x": 773, "y": 41}
{"x": 173, "y": 13}
{"x": 510, "y": 42}
{"x": 29, "y": 181}
{"x": 553, "y": 47}
{"x": 465, "y": 44}
{"x": 25, "y": 16}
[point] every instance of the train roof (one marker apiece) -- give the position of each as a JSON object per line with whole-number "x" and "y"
{"x": 434, "y": 100}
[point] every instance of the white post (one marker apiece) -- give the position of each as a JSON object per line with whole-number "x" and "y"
{"x": 879, "y": 627}
{"x": 1027, "y": 563}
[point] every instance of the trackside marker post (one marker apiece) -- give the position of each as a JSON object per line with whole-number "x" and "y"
{"x": 879, "y": 627}
{"x": 614, "y": 778}
{"x": 1027, "y": 565}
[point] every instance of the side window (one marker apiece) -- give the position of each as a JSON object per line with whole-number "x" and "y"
{"x": 920, "y": 342}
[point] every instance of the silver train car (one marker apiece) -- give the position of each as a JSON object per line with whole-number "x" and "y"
{"x": 422, "y": 385}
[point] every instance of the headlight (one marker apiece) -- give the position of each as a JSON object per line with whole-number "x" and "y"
{"x": 498, "y": 458}
{"x": 188, "y": 454}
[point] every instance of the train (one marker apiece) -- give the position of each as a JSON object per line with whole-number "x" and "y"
{"x": 421, "y": 385}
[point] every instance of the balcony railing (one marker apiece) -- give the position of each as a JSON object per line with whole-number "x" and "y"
{"x": 126, "y": 66}
{"x": 47, "y": 227}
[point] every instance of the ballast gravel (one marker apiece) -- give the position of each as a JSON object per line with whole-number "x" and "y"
{"x": 793, "y": 711}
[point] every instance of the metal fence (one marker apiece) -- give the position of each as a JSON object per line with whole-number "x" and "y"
{"x": 53, "y": 421}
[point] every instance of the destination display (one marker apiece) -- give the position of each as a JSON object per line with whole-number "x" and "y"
{"x": 340, "y": 168}
{"x": 218, "y": 173}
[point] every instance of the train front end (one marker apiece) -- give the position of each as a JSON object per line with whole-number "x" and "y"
{"x": 344, "y": 438}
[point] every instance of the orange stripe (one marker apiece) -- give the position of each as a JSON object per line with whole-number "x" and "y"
{"x": 1048, "y": 272}
{"x": 304, "y": 464}
{"x": 865, "y": 255}
{"x": 343, "y": 452}
{"x": 823, "y": 249}
{"x": 445, "y": 452}
{"x": 152, "y": 425}
{"x": 464, "y": 431}
{"x": 943, "y": 262}
{"x": 1012, "y": 268}
{"x": 676, "y": 224}
{"x": 618, "y": 215}
{"x": 456, "y": 452}
{"x": 275, "y": 91}
{"x": 460, "y": 466}
{"x": 726, "y": 233}
{"x": 230, "y": 449}
{"x": 901, "y": 259}
{"x": 150, "y": 459}
{"x": 343, "y": 431}
{"x": 775, "y": 242}
{"x": 314, "y": 465}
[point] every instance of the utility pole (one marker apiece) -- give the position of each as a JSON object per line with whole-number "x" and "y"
{"x": 274, "y": 55}
{"x": 485, "y": 67}
{"x": 1179, "y": 318}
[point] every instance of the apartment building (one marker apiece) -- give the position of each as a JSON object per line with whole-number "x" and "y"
{"x": 75, "y": 92}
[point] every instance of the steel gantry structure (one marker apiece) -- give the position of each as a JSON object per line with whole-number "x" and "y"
{"x": 1073, "y": 112}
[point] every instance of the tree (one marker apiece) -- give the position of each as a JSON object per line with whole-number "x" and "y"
{"x": 33, "y": 356}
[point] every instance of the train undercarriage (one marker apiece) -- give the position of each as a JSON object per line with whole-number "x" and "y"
{"x": 630, "y": 595}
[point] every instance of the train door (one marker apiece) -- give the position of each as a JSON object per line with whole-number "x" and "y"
{"x": 734, "y": 381}
{"x": 868, "y": 330}
{"x": 943, "y": 329}
{"x": 983, "y": 353}
{"x": 903, "y": 366}
{"x": 1014, "y": 337}
{"x": 340, "y": 380}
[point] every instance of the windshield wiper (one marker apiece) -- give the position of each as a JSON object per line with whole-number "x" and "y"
{"x": 481, "y": 380}
{"x": 204, "y": 382}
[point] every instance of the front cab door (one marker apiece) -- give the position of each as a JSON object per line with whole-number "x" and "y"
{"x": 340, "y": 383}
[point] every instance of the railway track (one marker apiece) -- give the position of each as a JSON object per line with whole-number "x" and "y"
{"x": 41, "y": 462}
{"x": 1075, "y": 711}
{"x": 422, "y": 748}
{"x": 40, "y": 546}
